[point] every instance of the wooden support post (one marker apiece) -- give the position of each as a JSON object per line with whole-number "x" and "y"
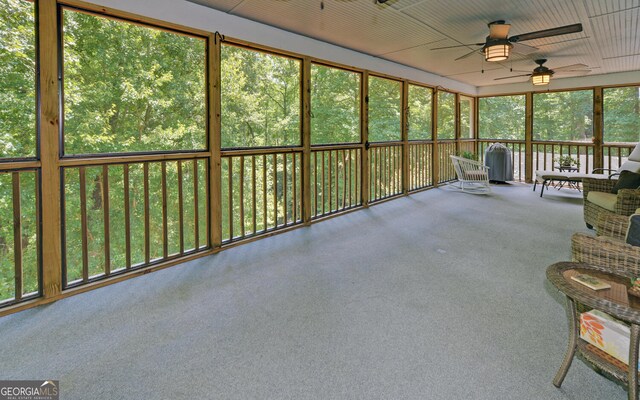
{"x": 50, "y": 148}
{"x": 528, "y": 138}
{"x": 435, "y": 155}
{"x": 405, "y": 137}
{"x": 457, "y": 123}
{"x": 215, "y": 190}
{"x": 364, "y": 136}
{"x": 306, "y": 141}
{"x": 598, "y": 128}
{"x": 476, "y": 124}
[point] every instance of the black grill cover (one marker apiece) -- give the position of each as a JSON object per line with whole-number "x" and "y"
{"x": 498, "y": 158}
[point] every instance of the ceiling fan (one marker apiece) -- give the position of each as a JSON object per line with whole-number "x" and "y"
{"x": 541, "y": 75}
{"x": 498, "y": 43}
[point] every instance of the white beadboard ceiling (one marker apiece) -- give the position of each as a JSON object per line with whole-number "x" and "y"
{"x": 405, "y": 31}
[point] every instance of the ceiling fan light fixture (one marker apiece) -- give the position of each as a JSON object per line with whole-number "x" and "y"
{"x": 541, "y": 78}
{"x": 497, "y": 51}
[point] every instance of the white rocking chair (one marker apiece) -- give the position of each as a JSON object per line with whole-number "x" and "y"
{"x": 473, "y": 176}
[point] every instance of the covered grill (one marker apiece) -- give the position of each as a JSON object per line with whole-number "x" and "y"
{"x": 498, "y": 158}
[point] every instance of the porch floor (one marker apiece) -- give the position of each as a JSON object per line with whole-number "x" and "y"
{"x": 438, "y": 295}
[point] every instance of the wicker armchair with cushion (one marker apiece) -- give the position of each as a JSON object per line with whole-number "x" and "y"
{"x": 607, "y": 252}
{"x": 619, "y": 252}
{"x": 613, "y": 225}
{"x": 598, "y": 199}
{"x": 598, "y": 196}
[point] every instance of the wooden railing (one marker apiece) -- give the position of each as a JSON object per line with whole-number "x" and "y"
{"x": 614, "y": 154}
{"x": 336, "y": 176}
{"x": 385, "y": 170}
{"x": 517, "y": 148}
{"x": 123, "y": 216}
{"x": 546, "y": 154}
{"x": 420, "y": 159}
{"x": 19, "y": 236}
{"x": 446, "y": 149}
{"x": 261, "y": 192}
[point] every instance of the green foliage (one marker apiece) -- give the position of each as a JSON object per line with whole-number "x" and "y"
{"x": 621, "y": 111}
{"x": 446, "y": 115}
{"x": 466, "y": 117}
{"x": 17, "y": 79}
{"x": 131, "y": 88}
{"x": 18, "y": 140}
{"x": 502, "y": 117}
{"x": 335, "y": 105}
{"x": 385, "y": 108}
{"x": 28, "y": 234}
{"x": 563, "y": 116}
{"x": 260, "y": 99}
{"x": 420, "y": 113}
{"x": 468, "y": 155}
{"x": 568, "y": 161}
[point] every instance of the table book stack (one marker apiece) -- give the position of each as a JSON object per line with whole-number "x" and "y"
{"x": 606, "y": 333}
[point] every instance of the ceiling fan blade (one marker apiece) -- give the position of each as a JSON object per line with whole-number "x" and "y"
{"x": 561, "y": 30}
{"x": 524, "y": 49}
{"x": 571, "y": 67}
{"x": 576, "y": 72}
{"x": 499, "y": 31}
{"x": 460, "y": 45}
{"x": 509, "y": 77}
{"x": 466, "y": 55}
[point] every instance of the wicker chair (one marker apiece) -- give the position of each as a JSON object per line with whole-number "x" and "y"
{"x": 605, "y": 252}
{"x": 598, "y": 197}
{"x": 613, "y": 225}
{"x": 602, "y": 200}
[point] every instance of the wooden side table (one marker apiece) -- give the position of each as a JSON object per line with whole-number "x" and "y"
{"x": 614, "y": 301}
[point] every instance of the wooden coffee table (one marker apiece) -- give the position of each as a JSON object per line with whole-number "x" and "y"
{"x": 614, "y": 301}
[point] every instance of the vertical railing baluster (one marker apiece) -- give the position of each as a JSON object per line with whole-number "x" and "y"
{"x": 285, "y": 194}
{"x": 84, "y": 225}
{"x": 241, "y": 194}
{"x": 208, "y": 200}
{"x": 351, "y": 153}
{"x": 265, "y": 219}
{"x": 17, "y": 236}
{"x": 180, "y": 208}
{"x": 315, "y": 182}
{"x": 147, "y": 236}
{"x": 323, "y": 183}
{"x": 344, "y": 179}
{"x": 127, "y": 215}
{"x": 39, "y": 229}
{"x": 619, "y": 157}
{"x": 275, "y": 190}
{"x": 253, "y": 194}
{"x": 359, "y": 158}
{"x": 196, "y": 207}
{"x": 337, "y": 179}
{"x": 230, "y": 197}
{"x": 330, "y": 180}
{"x": 294, "y": 187}
{"x": 165, "y": 227}
{"x": 105, "y": 215}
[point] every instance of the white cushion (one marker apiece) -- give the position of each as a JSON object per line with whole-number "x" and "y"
{"x": 603, "y": 199}
{"x": 635, "y": 154}
{"x": 629, "y": 165}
